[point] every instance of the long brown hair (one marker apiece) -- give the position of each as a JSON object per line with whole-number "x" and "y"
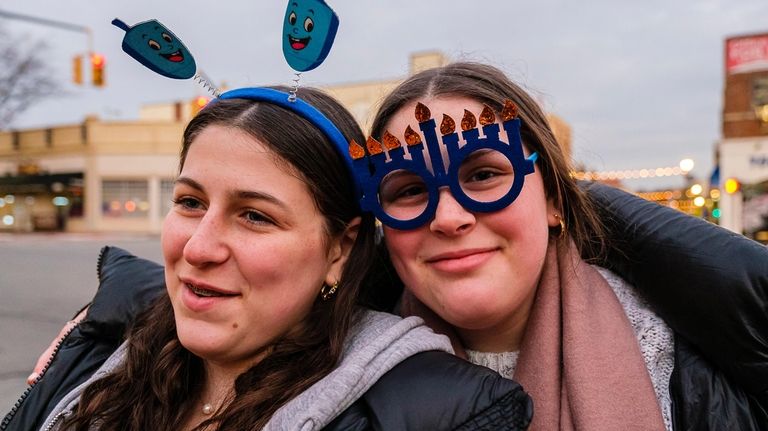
{"x": 160, "y": 381}
{"x": 491, "y": 86}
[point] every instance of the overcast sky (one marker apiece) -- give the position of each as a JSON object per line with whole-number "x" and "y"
{"x": 640, "y": 83}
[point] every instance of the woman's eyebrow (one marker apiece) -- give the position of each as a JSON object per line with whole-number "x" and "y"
{"x": 236, "y": 194}
{"x": 190, "y": 182}
{"x": 478, "y": 153}
{"x": 249, "y": 194}
{"x": 395, "y": 175}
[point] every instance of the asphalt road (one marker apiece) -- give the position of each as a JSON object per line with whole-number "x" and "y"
{"x": 44, "y": 280}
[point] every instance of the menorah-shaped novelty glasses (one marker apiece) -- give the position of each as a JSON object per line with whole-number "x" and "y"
{"x": 484, "y": 175}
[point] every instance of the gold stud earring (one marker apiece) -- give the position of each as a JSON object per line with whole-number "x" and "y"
{"x": 327, "y": 292}
{"x": 560, "y": 220}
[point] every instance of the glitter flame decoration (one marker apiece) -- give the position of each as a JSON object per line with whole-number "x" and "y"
{"x": 422, "y": 113}
{"x": 390, "y": 141}
{"x": 510, "y": 110}
{"x": 447, "y": 126}
{"x": 487, "y": 116}
{"x": 374, "y": 146}
{"x": 355, "y": 150}
{"x": 468, "y": 121}
{"x": 411, "y": 137}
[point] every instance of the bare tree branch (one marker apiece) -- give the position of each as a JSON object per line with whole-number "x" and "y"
{"x": 25, "y": 79}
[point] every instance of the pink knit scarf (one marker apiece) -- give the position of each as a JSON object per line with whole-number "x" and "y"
{"x": 579, "y": 359}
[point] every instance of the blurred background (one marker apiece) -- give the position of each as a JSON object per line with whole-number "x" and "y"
{"x": 668, "y": 100}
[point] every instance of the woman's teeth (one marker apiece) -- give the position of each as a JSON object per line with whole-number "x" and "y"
{"x": 203, "y": 292}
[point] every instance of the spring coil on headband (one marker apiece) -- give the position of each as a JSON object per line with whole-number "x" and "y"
{"x": 205, "y": 82}
{"x": 295, "y": 88}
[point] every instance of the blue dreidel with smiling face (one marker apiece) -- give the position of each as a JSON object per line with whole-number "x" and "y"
{"x": 308, "y": 32}
{"x": 156, "y": 47}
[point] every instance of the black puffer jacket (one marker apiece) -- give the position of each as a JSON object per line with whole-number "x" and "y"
{"x": 711, "y": 288}
{"x": 444, "y": 392}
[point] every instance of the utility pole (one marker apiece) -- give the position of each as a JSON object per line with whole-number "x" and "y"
{"x": 97, "y": 60}
{"x": 51, "y": 23}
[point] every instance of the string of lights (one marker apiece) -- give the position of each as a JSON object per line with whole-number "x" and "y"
{"x": 629, "y": 174}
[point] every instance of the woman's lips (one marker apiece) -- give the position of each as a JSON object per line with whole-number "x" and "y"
{"x": 199, "y": 297}
{"x": 461, "y": 260}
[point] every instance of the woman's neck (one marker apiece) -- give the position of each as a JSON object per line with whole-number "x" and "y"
{"x": 501, "y": 338}
{"x": 217, "y": 390}
{"x": 505, "y": 336}
{"x": 219, "y": 383}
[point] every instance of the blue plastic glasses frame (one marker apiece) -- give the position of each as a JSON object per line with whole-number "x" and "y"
{"x": 439, "y": 177}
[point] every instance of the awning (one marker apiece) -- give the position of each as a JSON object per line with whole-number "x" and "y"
{"x": 32, "y": 184}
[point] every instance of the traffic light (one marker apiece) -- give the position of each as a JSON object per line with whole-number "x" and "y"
{"x": 97, "y": 70}
{"x": 732, "y": 185}
{"x": 198, "y": 103}
{"x": 77, "y": 69}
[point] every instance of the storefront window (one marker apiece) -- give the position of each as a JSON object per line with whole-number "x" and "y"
{"x": 755, "y": 212}
{"x": 125, "y": 199}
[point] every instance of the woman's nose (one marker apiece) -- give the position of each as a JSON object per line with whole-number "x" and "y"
{"x": 450, "y": 217}
{"x": 207, "y": 243}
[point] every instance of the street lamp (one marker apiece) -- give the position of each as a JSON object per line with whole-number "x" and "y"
{"x": 686, "y": 165}
{"x": 696, "y": 189}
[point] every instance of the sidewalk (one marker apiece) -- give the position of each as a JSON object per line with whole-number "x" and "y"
{"x": 75, "y": 236}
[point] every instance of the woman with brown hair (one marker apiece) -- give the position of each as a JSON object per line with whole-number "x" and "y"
{"x": 491, "y": 238}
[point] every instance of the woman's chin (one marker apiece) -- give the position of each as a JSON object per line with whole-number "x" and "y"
{"x": 476, "y": 313}
{"x": 201, "y": 342}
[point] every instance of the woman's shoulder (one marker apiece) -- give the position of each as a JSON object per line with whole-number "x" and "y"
{"x": 127, "y": 285}
{"x": 396, "y": 373}
{"x": 709, "y": 285}
{"x": 379, "y": 334}
{"x": 436, "y": 390}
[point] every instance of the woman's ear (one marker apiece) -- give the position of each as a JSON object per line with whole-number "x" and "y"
{"x": 552, "y": 210}
{"x": 340, "y": 250}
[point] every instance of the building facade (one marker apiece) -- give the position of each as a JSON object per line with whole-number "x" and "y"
{"x": 743, "y": 151}
{"x": 96, "y": 176}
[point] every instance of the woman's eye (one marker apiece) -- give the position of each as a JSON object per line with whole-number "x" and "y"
{"x": 407, "y": 194}
{"x": 482, "y": 175}
{"x": 188, "y": 203}
{"x": 256, "y": 217}
{"x": 412, "y": 190}
{"x": 401, "y": 186}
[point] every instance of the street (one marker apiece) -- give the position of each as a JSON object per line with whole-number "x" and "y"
{"x": 44, "y": 280}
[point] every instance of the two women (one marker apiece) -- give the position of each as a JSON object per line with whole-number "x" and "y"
{"x": 491, "y": 240}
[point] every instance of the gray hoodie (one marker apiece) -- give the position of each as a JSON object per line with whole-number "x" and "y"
{"x": 374, "y": 346}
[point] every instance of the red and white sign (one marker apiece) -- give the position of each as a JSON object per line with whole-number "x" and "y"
{"x": 746, "y": 54}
